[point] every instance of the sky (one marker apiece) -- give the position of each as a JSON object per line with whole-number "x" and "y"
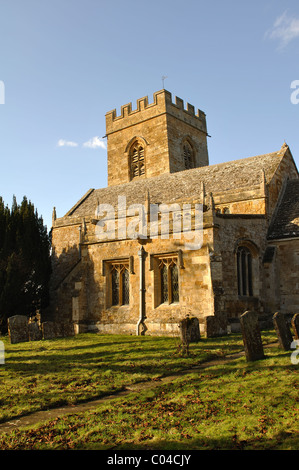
{"x": 65, "y": 63}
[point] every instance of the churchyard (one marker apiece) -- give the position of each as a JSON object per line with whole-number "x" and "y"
{"x": 157, "y": 396}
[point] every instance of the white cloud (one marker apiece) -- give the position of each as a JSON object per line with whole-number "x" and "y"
{"x": 66, "y": 143}
{"x": 94, "y": 143}
{"x": 285, "y": 29}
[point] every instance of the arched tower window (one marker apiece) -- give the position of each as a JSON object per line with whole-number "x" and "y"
{"x": 188, "y": 156}
{"x": 244, "y": 270}
{"x": 137, "y": 160}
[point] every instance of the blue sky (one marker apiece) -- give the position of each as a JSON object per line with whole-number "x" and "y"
{"x": 65, "y": 63}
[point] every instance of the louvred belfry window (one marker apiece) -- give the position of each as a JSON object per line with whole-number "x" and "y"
{"x": 188, "y": 156}
{"x": 137, "y": 161}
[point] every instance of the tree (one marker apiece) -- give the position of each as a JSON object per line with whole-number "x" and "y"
{"x": 25, "y": 265}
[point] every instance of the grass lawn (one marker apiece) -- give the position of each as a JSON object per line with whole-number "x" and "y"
{"x": 236, "y": 405}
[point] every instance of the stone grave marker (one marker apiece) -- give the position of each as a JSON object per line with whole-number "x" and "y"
{"x": 35, "y": 333}
{"x": 189, "y": 330}
{"x": 295, "y": 325}
{"x": 68, "y": 329}
{"x": 48, "y": 330}
{"x": 251, "y": 336}
{"x": 18, "y": 329}
{"x": 213, "y": 328}
{"x": 283, "y": 331}
{"x": 59, "y": 330}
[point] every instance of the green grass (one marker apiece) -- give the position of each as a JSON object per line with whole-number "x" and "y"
{"x": 236, "y": 405}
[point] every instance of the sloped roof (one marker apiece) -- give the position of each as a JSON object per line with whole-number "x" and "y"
{"x": 219, "y": 178}
{"x": 286, "y": 220}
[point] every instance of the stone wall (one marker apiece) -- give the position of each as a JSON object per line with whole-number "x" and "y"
{"x": 83, "y": 296}
{"x": 287, "y": 266}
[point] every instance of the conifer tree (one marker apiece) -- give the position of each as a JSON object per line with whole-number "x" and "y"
{"x": 24, "y": 261}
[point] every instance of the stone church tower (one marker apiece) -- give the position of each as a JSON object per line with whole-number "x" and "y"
{"x": 110, "y": 279}
{"x": 155, "y": 139}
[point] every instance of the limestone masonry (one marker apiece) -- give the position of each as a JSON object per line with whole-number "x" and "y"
{"x": 244, "y": 212}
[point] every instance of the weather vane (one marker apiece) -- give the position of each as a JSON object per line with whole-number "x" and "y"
{"x": 163, "y": 78}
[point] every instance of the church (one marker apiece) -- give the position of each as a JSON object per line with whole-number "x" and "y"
{"x": 172, "y": 236}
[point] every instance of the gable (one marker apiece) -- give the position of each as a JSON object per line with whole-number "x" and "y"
{"x": 286, "y": 219}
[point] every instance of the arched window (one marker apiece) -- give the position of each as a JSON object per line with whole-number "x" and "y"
{"x": 137, "y": 160}
{"x": 120, "y": 287}
{"x": 188, "y": 156}
{"x": 244, "y": 269}
{"x": 169, "y": 280}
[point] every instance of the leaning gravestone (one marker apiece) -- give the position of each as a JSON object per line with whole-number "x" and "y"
{"x": 35, "y": 333}
{"x": 49, "y": 330}
{"x": 295, "y": 325}
{"x": 251, "y": 336}
{"x": 283, "y": 331}
{"x": 18, "y": 329}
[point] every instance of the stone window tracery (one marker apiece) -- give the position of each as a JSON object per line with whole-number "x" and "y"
{"x": 120, "y": 285}
{"x": 169, "y": 280}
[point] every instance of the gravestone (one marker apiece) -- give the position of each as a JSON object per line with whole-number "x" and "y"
{"x": 283, "y": 331}
{"x": 18, "y": 329}
{"x": 35, "y": 333}
{"x": 68, "y": 329}
{"x": 48, "y": 330}
{"x": 59, "y": 330}
{"x": 213, "y": 328}
{"x": 251, "y": 336}
{"x": 295, "y": 325}
{"x": 189, "y": 330}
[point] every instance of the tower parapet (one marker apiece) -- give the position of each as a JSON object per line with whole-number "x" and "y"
{"x": 162, "y": 103}
{"x": 155, "y": 138}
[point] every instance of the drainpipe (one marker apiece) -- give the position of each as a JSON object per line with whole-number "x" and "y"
{"x": 141, "y": 328}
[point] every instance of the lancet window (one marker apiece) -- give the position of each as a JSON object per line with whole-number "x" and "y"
{"x": 137, "y": 161}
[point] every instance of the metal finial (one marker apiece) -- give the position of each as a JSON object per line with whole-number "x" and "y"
{"x": 163, "y": 78}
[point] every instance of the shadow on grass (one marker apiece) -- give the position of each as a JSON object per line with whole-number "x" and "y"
{"x": 283, "y": 440}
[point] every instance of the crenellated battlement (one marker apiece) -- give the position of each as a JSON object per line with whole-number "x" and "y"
{"x": 168, "y": 132}
{"x": 162, "y": 103}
